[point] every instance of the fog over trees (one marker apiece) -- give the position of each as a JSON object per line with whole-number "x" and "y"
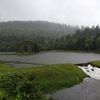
{"x": 48, "y": 36}
{"x": 85, "y": 40}
{"x": 41, "y": 32}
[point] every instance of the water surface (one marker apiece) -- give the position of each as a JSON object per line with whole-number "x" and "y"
{"x": 85, "y": 91}
{"x": 49, "y": 58}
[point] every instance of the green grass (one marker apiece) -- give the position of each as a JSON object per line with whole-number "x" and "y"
{"x": 50, "y": 77}
{"x": 95, "y": 63}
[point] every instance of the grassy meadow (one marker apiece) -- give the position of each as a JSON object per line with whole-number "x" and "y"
{"x": 49, "y": 77}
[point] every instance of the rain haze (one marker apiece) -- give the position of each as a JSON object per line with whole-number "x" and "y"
{"x": 73, "y": 12}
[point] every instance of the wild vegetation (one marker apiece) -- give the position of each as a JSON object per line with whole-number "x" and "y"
{"x": 16, "y": 87}
{"x": 15, "y": 82}
{"x": 86, "y": 39}
{"x": 27, "y": 46}
{"x": 41, "y": 33}
{"x": 49, "y": 36}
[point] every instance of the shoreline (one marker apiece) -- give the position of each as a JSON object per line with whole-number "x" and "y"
{"x": 89, "y": 90}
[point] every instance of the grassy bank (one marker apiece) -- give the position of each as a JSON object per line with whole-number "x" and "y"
{"x": 50, "y": 77}
{"x": 95, "y": 63}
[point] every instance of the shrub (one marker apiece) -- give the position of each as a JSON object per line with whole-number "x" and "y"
{"x": 30, "y": 91}
{"x": 19, "y": 88}
{"x": 9, "y": 82}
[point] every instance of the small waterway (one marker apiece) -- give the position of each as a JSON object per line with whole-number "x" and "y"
{"x": 93, "y": 72}
{"x": 89, "y": 89}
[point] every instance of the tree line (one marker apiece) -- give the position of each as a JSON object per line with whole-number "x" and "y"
{"x": 41, "y": 32}
{"x": 27, "y": 46}
{"x": 87, "y": 39}
{"x": 33, "y": 36}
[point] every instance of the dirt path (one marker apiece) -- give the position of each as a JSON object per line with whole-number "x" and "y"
{"x": 85, "y": 91}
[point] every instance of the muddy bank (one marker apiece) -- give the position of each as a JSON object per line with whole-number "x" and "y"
{"x": 82, "y": 64}
{"x": 86, "y": 64}
{"x": 17, "y": 64}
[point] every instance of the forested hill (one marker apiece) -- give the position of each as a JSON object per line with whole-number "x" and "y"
{"x": 83, "y": 40}
{"x": 41, "y": 25}
{"x": 41, "y": 32}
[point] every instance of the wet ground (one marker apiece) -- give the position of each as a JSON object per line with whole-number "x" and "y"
{"x": 88, "y": 90}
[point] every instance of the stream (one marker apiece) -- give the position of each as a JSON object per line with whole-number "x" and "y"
{"x": 89, "y": 89}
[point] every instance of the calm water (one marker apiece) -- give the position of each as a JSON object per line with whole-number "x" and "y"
{"x": 49, "y": 58}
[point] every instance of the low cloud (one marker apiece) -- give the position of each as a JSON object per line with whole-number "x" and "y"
{"x": 74, "y": 12}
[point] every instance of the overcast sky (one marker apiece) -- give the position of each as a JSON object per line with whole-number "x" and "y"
{"x": 73, "y": 12}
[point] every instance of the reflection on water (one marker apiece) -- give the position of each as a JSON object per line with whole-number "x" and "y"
{"x": 8, "y": 53}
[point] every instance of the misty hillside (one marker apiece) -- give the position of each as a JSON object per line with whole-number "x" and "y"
{"x": 41, "y": 32}
{"x": 33, "y": 30}
{"x": 49, "y": 36}
{"x": 40, "y": 25}
{"x": 83, "y": 40}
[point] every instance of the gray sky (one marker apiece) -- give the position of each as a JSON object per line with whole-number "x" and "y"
{"x": 73, "y": 12}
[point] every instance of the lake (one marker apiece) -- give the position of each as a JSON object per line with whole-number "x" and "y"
{"x": 48, "y": 58}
